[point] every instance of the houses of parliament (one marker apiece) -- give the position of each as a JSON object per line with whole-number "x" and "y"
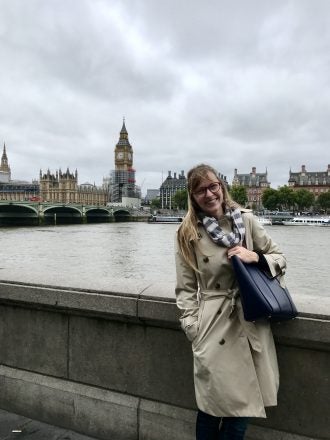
{"x": 63, "y": 187}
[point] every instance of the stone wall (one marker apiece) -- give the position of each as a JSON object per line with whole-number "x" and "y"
{"x": 114, "y": 364}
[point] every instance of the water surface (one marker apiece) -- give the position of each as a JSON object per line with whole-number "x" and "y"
{"x": 97, "y": 253}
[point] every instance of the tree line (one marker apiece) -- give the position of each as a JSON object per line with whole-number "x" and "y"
{"x": 286, "y": 199}
{"x": 282, "y": 199}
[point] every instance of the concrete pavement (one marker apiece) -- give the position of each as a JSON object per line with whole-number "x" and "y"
{"x": 16, "y": 427}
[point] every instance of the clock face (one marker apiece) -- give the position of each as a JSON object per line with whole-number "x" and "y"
{"x": 120, "y": 155}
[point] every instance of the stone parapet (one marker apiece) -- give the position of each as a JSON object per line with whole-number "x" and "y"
{"x": 113, "y": 362}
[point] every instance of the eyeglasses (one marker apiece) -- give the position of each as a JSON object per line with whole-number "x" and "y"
{"x": 213, "y": 187}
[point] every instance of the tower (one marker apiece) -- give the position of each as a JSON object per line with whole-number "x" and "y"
{"x": 5, "y": 173}
{"x": 123, "y": 177}
{"x": 123, "y": 151}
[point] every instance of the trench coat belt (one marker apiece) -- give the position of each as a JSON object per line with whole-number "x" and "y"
{"x": 247, "y": 327}
{"x": 208, "y": 295}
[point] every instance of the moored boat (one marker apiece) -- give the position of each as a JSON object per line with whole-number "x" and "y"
{"x": 308, "y": 221}
{"x": 165, "y": 219}
{"x": 264, "y": 221}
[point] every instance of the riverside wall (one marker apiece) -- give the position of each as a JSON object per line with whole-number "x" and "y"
{"x": 114, "y": 363}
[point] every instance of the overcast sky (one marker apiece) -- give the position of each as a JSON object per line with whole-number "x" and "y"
{"x": 235, "y": 84}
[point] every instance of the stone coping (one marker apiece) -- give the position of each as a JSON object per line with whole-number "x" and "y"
{"x": 312, "y": 306}
{"x": 124, "y": 297}
{"x": 150, "y": 304}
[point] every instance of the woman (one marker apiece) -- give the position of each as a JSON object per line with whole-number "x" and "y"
{"x": 235, "y": 364}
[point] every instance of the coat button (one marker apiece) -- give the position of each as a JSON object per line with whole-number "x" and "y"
{"x": 222, "y": 342}
{"x": 217, "y": 286}
{"x": 206, "y": 259}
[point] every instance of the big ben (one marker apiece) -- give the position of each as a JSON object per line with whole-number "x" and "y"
{"x": 123, "y": 151}
{"x": 123, "y": 177}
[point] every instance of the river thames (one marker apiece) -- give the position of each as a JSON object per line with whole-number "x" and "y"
{"x": 78, "y": 254}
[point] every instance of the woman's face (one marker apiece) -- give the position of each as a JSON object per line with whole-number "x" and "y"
{"x": 209, "y": 196}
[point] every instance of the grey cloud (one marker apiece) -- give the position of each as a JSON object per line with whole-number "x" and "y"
{"x": 237, "y": 84}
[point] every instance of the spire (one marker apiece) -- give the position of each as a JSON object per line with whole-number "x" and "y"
{"x": 123, "y": 137}
{"x": 123, "y": 129}
{"x": 4, "y": 161}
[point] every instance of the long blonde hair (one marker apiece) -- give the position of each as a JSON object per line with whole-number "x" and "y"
{"x": 188, "y": 231}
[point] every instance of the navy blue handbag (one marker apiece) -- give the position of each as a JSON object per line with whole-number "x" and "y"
{"x": 262, "y": 297}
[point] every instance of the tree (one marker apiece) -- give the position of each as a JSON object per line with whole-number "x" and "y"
{"x": 286, "y": 197}
{"x": 323, "y": 201}
{"x": 270, "y": 199}
{"x": 180, "y": 199}
{"x": 238, "y": 193}
{"x": 304, "y": 199}
{"x": 155, "y": 203}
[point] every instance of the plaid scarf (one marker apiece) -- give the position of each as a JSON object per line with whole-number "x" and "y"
{"x": 213, "y": 229}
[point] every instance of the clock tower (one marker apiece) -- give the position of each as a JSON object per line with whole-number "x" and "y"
{"x": 123, "y": 151}
{"x": 123, "y": 177}
{"x": 5, "y": 173}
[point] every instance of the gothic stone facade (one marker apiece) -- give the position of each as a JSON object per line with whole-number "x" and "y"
{"x": 122, "y": 184}
{"x": 15, "y": 190}
{"x": 5, "y": 173}
{"x": 62, "y": 187}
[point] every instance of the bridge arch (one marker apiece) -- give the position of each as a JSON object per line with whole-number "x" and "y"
{"x": 18, "y": 215}
{"x": 121, "y": 215}
{"x": 97, "y": 215}
{"x": 62, "y": 214}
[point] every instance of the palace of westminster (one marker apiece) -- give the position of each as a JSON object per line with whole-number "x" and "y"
{"x": 120, "y": 187}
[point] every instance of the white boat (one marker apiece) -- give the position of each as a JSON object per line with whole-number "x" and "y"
{"x": 307, "y": 221}
{"x": 264, "y": 221}
{"x": 165, "y": 219}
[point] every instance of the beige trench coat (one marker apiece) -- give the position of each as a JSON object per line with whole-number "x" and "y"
{"x": 235, "y": 364}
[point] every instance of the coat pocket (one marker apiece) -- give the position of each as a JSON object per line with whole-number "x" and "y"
{"x": 207, "y": 318}
{"x": 191, "y": 331}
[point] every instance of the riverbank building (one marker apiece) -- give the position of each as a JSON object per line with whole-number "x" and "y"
{"x": 15, "y": 190}
{"x": 255, "y": 184}
{"x": 123, "y": 189}
{"x": 317, "y": 182}
{"x": 62, "y": 187}
{"x": 169, "y": 187}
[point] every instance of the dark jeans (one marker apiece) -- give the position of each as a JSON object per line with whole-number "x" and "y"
{"x": 220, "y": 428}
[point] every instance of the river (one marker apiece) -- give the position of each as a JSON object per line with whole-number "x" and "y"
{"x": 93, "y": 254}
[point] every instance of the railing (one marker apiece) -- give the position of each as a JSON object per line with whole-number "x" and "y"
{"x": 40, "y": 213}
{"x": 114, "y": 363}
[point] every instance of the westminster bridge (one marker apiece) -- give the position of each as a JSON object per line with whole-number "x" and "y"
{"x": 38, "y": 213}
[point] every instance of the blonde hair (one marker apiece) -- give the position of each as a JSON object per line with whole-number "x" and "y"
{"x": 188, "y": 231}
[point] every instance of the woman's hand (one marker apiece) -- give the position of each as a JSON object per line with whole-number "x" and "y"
{"x": 244, "y": 254}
